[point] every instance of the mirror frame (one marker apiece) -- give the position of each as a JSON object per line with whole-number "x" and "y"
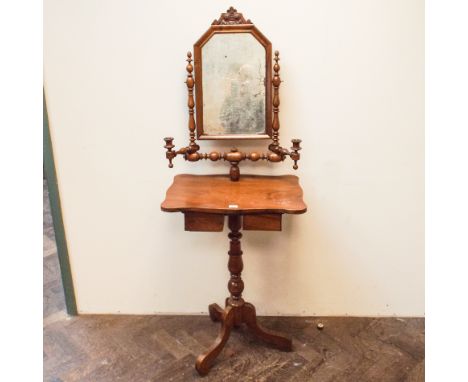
{"x": 237, "y": 26}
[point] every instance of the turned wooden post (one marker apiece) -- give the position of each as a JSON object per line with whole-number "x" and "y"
{"x": 191, "y": 103}
{"x": 234, "y": 172}
{"x": 235, "y": 263}
{"x": 276, "y": 100}
{"x": 236, "y": 311}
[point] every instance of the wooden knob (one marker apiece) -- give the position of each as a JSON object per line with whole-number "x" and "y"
{"x": 254, "y": 156}
{"x": 234, "y": 156}
{"x": 193, "y": 157}
{"x": 214, "y": 156}
{"x": 273, "y": 157}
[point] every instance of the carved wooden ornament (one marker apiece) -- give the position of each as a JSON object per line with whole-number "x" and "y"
{"x": 231, "y": 17}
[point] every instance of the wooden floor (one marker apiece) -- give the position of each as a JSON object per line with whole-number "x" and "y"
{"x": 164, "y": 348}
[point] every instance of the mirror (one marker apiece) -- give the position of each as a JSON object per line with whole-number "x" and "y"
{"x": 233, "y": 83}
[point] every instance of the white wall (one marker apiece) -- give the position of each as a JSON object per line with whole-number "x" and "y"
{"x": 353, "y": 91}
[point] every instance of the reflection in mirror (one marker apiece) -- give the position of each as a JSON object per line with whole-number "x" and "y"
{"x": 233, "y": 66}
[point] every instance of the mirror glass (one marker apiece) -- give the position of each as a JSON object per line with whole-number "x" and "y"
{"x": 233, "y": 66}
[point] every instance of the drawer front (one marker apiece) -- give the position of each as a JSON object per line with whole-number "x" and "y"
{"x": 266, "y": 222}
{"x": 203, "y": 222}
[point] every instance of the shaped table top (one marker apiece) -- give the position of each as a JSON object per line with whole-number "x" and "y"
{"x": 252, "y": 194}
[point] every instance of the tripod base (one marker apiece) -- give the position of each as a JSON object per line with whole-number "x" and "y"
{"x": 236, "y": 313}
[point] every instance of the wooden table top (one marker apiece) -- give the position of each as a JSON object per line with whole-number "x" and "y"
{"x": 252, "y": 194}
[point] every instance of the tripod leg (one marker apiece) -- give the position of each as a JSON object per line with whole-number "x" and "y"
{"x": 205, "y": 361}
{"x": 216, "y": 313}
{"x": 269, "y": 336}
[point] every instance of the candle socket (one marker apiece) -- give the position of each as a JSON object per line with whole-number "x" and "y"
{"x": 170, "y": 154}
{"x": 295, "y": 156}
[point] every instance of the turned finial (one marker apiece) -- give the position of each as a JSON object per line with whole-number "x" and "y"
{"x": 189, "y": 60}
{"x": 276, "y": 58}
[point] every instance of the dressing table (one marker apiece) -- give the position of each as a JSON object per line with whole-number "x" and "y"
{"x": 237, "y": 97}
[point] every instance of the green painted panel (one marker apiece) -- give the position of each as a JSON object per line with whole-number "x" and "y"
{"x": 60, "y": 237}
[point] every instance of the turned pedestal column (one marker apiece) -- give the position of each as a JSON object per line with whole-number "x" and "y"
{"x": 236, "y": 311}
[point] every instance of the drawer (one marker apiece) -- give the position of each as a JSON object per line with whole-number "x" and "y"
{"x": 203, "y": 222}
{"x": 265, "y": 222}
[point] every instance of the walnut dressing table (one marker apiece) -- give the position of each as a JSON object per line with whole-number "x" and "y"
{"x": 237, "y": 98}
{"x": 252, "y": 203}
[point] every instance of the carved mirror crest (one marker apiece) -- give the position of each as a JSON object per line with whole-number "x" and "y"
{"x": 233, "y": 75}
